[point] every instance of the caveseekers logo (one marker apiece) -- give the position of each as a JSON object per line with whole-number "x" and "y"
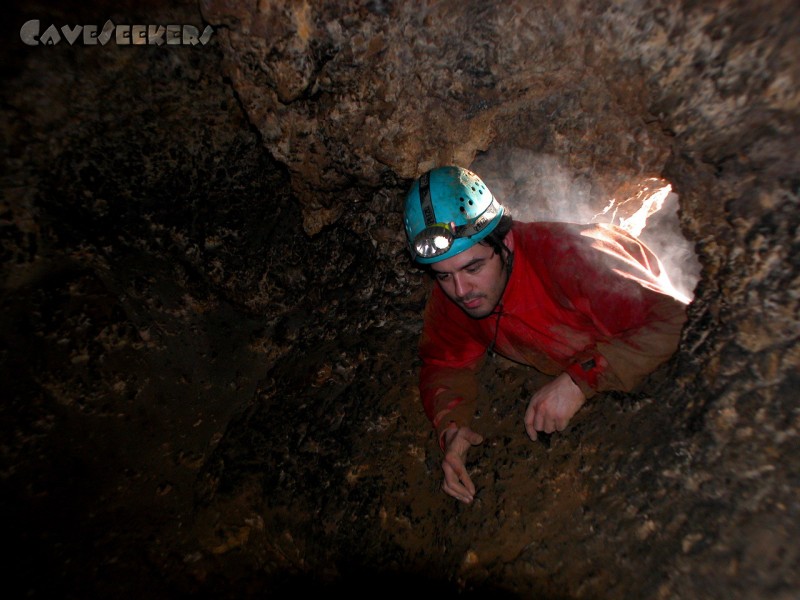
{"x": 123, "y": 35}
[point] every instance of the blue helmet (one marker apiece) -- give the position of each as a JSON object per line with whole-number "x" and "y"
{"x": 448, "y": 210}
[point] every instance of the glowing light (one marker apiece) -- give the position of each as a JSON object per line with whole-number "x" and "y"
{"x": 649, "y": 197}
{"x": 441, "y": 242}
{"x": 652, "y": 203}
{"x": 644, "y": 199}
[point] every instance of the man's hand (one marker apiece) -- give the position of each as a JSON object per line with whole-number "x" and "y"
{"x": 551, "y": 408}
{"x": 457, "y": 441}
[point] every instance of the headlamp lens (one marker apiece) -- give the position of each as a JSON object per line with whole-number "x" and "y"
{"x": 433, "y": 241}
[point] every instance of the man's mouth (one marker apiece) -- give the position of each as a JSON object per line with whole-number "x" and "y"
{"x": 472, "y": 303}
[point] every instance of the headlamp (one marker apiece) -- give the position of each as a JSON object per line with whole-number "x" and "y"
{"x": 434, "y": 240}
{"x": 437, "y": 239}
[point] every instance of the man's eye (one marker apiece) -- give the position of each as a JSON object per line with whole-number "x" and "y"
{"x": 442, "y": 276}
{"x": 474, "y": 269}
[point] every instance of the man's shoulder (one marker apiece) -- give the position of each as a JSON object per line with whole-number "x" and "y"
{"x": 563, "y": 246}
{"x": 560, "y": 227}
{"x": 550, "y": 236}
{"x": 564, "y": 233}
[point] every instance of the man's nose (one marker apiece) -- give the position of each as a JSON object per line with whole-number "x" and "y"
{"x": 461, "y": 287}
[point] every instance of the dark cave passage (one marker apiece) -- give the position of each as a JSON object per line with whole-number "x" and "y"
{"x": 209, "y": 317}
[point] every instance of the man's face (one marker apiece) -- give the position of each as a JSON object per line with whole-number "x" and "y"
{"x": 474, "y": 279}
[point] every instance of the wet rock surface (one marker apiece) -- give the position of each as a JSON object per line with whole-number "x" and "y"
{"x": 209, "y": 319}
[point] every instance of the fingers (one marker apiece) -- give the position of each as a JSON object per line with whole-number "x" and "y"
{"x": 536, "y": 412}
{"x": 530, "y": 416}
{"x": 457, "y": 482}
{"x": 546, "y": 409}
{"x": 473, "y": 437}
{"x": 541, "y": 422}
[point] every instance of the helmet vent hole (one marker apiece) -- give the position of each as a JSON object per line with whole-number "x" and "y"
{"x": 462, "y": 199}
{"x": 471, "y": 203}
{"x": 461, "y": 208}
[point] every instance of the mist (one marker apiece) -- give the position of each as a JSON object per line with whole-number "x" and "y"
{"x": 539, "y": 187}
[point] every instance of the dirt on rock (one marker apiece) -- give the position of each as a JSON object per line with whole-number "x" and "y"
{"x": 156, "y": 450}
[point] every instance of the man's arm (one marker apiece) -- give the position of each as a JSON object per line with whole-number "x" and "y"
{"x": 624, "y": 360}
{"x": 619, "y": 285}
{"x": 624, "y": 292}
{"x": 451, "y": 357}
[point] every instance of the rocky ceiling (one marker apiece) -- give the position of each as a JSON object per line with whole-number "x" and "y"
{"x": 209, "y": 319}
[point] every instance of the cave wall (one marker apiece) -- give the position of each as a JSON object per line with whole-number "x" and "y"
{"x": 702, "y": 94}
{"x": 265, "y": 173}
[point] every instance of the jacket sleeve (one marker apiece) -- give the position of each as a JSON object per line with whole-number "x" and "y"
{"x": 626, "y": 294}
{"x": 451, "y": 354}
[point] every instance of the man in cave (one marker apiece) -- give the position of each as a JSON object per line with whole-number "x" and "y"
{"x": 589, "y": 304}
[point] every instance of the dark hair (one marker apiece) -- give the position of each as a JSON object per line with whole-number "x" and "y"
{"x": 495, "y": 239}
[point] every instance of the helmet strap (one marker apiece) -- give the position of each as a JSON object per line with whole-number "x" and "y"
{"x": 425, "y": 202}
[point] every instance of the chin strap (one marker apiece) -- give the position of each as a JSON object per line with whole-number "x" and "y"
{"x": 509, "y": 260}
{"x": 499, "y": 308}
{"x": 499, "y": 312}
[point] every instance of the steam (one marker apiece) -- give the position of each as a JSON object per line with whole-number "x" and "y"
{"x": 536, "y": 187}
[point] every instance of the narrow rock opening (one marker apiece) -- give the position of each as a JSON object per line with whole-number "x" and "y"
{"x": 538, "y": 187}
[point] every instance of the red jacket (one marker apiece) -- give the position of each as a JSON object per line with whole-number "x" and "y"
{"x": 590, "y": 300}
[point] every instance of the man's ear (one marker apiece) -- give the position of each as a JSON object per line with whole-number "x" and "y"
{"x": 508, "y": 243}
{"x": 508, "y": 240}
